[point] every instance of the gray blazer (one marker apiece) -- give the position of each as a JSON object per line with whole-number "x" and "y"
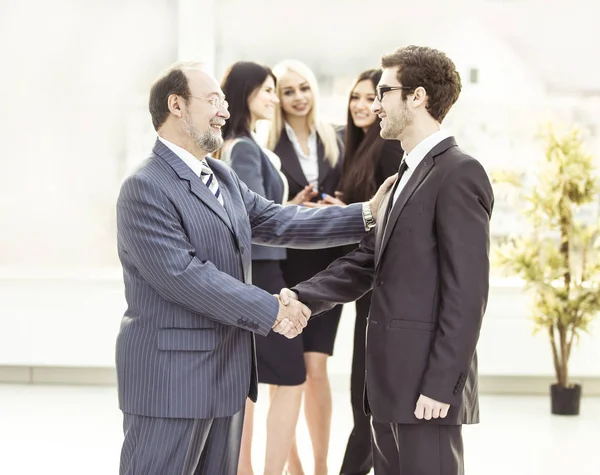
{"x": 186, "y": 346}
{"x": 258, "y": 173}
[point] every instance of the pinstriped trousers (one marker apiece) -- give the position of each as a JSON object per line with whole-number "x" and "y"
{"x": 161, "y": 446}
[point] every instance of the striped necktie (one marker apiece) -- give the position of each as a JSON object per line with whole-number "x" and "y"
{"x": 210, "y": 181}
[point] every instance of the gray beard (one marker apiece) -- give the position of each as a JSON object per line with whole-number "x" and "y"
{"x": 208, "y": 141}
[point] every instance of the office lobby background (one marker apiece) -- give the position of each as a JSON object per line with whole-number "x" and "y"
{"x": 74, "y": 87}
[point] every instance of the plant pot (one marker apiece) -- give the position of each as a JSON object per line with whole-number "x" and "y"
{"x": 565, "y": 401}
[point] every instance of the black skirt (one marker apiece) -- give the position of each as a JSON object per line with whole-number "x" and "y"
{"x": 280, "y": 360}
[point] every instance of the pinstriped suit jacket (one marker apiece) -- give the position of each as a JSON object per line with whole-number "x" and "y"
{"x": 186, "y": 346}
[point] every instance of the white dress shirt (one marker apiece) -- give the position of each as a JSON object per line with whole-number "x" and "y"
{"x": 416, "y": 156}
{"x": 310, "y": 162}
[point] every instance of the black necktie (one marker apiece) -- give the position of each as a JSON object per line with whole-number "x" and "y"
{"x": 403, "y": 167}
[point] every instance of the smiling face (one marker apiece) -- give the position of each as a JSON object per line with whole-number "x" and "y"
{"x": 361, "y": 99}
{"x": 296, "y": 95}
{"x": 396, "y": 117}
{"x": 204, "y": 114}
{"x": 263, "y": 100}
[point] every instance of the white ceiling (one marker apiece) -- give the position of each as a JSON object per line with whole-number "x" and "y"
{"x": 560, "y": 39}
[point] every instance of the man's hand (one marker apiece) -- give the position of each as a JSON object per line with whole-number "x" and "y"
{"x": 327, "y": 200}
{"x": 376, "y": 200}
{"x": 292, "y": 317}
{"x": 304, "y": 195}
{"x": 286, "y": 295}
{"x": 428, "y": 408}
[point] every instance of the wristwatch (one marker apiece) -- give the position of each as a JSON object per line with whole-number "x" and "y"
{"x": 368, "y": 216}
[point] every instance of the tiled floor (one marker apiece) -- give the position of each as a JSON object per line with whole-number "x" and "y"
{"x": 77, "y": 431}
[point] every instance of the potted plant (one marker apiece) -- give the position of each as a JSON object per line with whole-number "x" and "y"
{"x": 558, "y": 258}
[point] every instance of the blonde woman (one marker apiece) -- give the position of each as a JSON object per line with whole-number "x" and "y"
{"x": 310, "y": 153}
{"x": 250, "y": 91}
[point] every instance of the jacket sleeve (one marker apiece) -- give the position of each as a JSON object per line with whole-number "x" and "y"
{"x": 345, "y": 280}
{"x": 151, "y": 234}
{"x": 299, "y": 227}
{"x": 463, "y": 211}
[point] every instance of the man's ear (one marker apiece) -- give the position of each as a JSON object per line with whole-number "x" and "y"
{"x": 175, "y": 105}
{"x": 419, "y": 96}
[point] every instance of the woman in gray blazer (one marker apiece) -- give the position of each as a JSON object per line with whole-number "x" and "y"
{"x": 250, "y": 91}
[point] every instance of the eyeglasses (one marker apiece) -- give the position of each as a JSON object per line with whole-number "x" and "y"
{"x": 381, "y": 91}
{"x": 214, "y": 101}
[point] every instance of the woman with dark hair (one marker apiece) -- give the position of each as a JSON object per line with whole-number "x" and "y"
{"x": 250, "y": 91}
{"x": 368, "y": 161}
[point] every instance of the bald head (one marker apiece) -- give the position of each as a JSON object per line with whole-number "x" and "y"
{"x": 188, "y": 108}
{"x": 184, "y": 79}
{"x": 201, "y": 83}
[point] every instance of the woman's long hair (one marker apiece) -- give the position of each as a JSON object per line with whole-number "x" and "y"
{"x": 240, "y": 81}
{"x": 325, "y": 131}
{"x": 362, "y": 151}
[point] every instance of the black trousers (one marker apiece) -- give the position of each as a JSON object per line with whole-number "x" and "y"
{"x": 160, "y": 446}
{"x": 358, "y": 459}
{"x": 421, "y": 449}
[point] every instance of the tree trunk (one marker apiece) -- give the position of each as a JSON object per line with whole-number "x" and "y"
{"x": 566, "y": 221}
{"x": 555, "y": 358}
{"x": 564, "y": 359}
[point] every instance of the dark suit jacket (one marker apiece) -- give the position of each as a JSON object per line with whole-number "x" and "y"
{"x": 300, "y": 264}
{"x": 256, "y": 170}
{"x": 186, "y": 346}
{"x": 429, "y": 271}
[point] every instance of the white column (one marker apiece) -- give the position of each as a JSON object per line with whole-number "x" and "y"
{"x": 197, "y": 39}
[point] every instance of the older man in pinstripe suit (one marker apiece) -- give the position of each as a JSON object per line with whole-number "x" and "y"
{"x": 185, "y": 351}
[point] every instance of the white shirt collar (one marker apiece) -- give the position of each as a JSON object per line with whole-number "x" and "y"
{"x": 187, "y": 157}
{"x": 291, "y": 133}
{"x": 417, "y": 154}
{"x": 312, "y": 142}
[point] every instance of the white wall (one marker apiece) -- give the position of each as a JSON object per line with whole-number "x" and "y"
{"x": 73, "y": 322}
{"x": 72, "y": 75}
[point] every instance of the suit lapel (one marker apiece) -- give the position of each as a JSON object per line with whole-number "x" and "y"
{"x": 385, "y": 204}
{"x": 224, "y": 182}
{"x": 195, "y": 183}
{"x": 289, "y": 160}
{"x": 230, "y": 192}
{"x": 419, "y": 175}
{"x": 324, "y": 167}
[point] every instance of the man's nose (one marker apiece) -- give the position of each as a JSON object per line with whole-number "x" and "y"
{"x": 376, "y": 106}
{"x": 222, "y": 112}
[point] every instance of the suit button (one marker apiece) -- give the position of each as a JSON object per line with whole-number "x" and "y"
{"x": 378, "y": 283}
{"x": 242, "y": 249}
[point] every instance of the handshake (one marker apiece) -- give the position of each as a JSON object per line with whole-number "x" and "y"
{"x": 293, "y": 315}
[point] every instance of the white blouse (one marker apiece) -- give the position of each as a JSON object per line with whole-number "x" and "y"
{"x": 310, "y": 162}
